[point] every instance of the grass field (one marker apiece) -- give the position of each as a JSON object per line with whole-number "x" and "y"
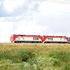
{"x": 34, "y": 56}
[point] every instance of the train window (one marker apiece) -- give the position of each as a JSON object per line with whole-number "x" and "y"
{"x": 35, "y": 38}
{"x": 61, "y": 38}
{"x": 69, "y": 39}
{"x": 50, "y": 38}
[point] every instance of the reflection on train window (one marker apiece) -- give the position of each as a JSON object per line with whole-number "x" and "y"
{"x": 35, "y": 38}
{"x": 50, "y": 38}
{"x": 61, "y": 38}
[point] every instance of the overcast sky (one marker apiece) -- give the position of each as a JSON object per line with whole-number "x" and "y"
{"x": 41, "y": 17}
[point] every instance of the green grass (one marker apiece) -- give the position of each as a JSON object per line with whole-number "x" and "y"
{"x": 34, "y": 57}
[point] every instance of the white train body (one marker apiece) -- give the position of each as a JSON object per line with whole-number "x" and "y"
{"x": 24, "y": 38}
{"x": 56, "y": 39}
{"x": 38, "y": 39}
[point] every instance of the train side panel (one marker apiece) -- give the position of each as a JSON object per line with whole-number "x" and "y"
{"x": 28, "y": 39}
{"x": 39, "y": 39}
{"x": 58, "y": 39}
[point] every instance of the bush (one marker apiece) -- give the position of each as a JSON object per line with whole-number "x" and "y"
{"x": 66, "y": 67}
{"x": 20, "y": 55}
{"x": 59, "y": 58}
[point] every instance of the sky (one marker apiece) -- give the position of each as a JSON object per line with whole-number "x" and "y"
{"x": 37, "y": 17}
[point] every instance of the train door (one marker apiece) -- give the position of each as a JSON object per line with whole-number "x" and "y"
{"x": 69, "y": 39}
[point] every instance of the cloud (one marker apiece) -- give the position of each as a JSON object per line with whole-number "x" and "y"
{"x": 55, "y": 16}
{"x": 11, "y": 5}
{"x": 0, "y": 3}
{"x": 17, "y": 7}
{"x": 29, "y": 27}
{"x": 53, "y": 8}
{"x": 5, "y": 31}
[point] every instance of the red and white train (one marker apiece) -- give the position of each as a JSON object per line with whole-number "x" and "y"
{"x": 39, "y": 39}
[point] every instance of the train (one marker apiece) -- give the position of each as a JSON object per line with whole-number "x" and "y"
{"x": 39, "y": 39}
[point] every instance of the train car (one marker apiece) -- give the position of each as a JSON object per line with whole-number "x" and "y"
{"x": 56, "y": 39}
{"x": 26, "y": 39}
{"x": 39, "y": 39}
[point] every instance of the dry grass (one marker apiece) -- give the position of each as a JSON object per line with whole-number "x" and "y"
{"x": 39, "y": 56}
{"x": 31, "y": 46}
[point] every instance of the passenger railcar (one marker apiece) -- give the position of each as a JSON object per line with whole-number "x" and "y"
{"x": 56, "y": 39}
{"x": 26, "y": 39}
{"x": 39, "y": 39}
